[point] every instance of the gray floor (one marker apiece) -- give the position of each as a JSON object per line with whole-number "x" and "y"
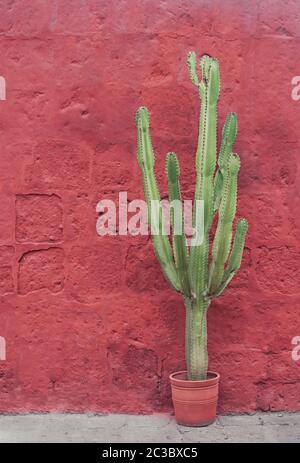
{"x": 261, "y": 427}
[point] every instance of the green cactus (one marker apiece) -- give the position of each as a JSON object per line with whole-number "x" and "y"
{"x": 195, "y": 271}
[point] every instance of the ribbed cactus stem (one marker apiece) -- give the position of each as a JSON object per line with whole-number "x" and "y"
{"x": 228, "y": 136}
{"x": 223, "y": 236}
{"x": 235, "y": 258}
{"x": 146, "y": 161}
{"x": 188, "y": 333}
{"x": 190, "y": 271}
{"x": 196, "y": 350}
{"x": 205, "y": 168}
{"x": 179, "y": 240}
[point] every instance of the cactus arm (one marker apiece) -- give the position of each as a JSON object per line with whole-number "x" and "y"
{"x": 146, "y": 160}
{"x": 229, "y": 133}
{"x": 236, "y": 254}
{"x": 179, "y": 240}
{"x": 235, "y": 258}
{"x": 223, "y": 236}
{"x": 205, "y": 167}
{"x": 192, "y": 67}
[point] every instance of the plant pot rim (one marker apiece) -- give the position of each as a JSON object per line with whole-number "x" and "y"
{"x": 212, "y": 378}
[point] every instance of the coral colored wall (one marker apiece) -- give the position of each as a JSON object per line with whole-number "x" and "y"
{"x": 89, "y": 322}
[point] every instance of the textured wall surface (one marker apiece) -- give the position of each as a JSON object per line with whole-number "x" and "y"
{"x": 89, "y": 321}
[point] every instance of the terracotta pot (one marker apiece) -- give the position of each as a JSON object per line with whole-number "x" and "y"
{"x": 195, "y": 402}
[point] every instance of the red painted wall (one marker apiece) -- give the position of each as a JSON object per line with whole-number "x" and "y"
{"x": 90, "y": 323}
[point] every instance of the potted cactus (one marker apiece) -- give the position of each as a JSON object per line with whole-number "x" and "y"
{"x": 202, "y": 271}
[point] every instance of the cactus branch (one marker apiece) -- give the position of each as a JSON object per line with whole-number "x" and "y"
{"x": 223, "y": 236}
{"x": 192, "y": 67}
{"x": 179, "y": 240}
{"x": 228, "y": 136}
{"x": 235, "y": 257}
{"x": 146, "y": 160}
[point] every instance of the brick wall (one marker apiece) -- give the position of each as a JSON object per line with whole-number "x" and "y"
{"x": 89, "y": 322}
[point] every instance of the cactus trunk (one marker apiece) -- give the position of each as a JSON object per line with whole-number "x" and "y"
{"x": 196, "y": 339}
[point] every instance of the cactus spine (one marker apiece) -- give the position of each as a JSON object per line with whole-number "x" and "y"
{"x": 190, "y": 270}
